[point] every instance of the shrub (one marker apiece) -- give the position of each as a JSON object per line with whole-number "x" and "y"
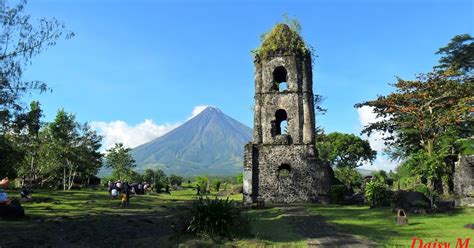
{"x": 337, "y": 193}
{"x": 202, "y": 183}
{"x": 216, "y": 184}
{"x": 217, "y": 217}
{"x": 240, "y": 178}
{"x": 377, "y": 194}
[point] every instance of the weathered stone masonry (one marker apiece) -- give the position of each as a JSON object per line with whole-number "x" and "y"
{"x": 279, "y": 166}
{"x": 464, "y": 180}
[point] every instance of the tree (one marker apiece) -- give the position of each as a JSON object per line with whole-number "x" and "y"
{"x": 458, "y": 55}
{"x": 75, "y": 148}
{"x": 161, "y": 181}
{"x": 120, "y": 161}
{"x": 9, "y": 157}
{"x": 27, "y": 137}
{"x": 424, "y": 117}
{"x": 89, "y": 158}
{"x": 157, "y": 178}
{"x": 149, "y": 176}
{"x": 319, "y": 109}
{"x": 344, "y": 150}
{"x": 175, "y": 180}
{"x": 20, "y": 41}
{"x": 349, "y": 176}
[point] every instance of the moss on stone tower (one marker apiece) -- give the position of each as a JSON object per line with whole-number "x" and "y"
{"x": 282, "y": 40}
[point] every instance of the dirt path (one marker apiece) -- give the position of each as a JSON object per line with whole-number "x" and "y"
{"x": 319, "y": 232}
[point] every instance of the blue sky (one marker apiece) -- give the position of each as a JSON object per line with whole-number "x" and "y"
{"x": 139, "y": 68}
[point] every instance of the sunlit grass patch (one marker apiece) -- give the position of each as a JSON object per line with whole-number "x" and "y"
{"x": 378, "y": 224}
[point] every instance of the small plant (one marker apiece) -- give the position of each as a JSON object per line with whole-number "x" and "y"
{"x": 217, "y": 217}
{"x": 377, "y": 194}
{"x": 216, "y": 184}
{"x": 203, "y": 184}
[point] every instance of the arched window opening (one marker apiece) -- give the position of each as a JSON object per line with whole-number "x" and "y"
{"x": 284, "y": 171}
{"x": 280, "y": 116}
{"x": 280, "y": 78}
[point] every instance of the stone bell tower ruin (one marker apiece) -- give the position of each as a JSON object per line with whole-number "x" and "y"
{"x": 280, "y": 164}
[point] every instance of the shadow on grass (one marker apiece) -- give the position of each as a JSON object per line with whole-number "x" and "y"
{"x": 379, "y": 224}
{"x": 121, "y": 229}
{"x": 297, "y": 226}
{"x": 91, "y": 218}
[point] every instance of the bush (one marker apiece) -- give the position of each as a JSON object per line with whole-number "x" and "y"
{"x": 216, "y": 184}
{"x": 337, "y": 193}
{"x": 377, "y": 194}
{"x": 240, "y": 178}
{"x": 217, "y": 217}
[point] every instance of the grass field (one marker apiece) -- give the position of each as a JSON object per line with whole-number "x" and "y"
{"x": 84, "y": 217}
{"x": 379, "y": 224}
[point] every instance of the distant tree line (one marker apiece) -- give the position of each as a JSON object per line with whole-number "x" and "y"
{"x": 51, "y": 154}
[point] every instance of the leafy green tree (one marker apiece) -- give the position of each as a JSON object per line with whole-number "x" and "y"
{"x": 21, "y": 40}
{"x": 425, "y": 117}
{"x": 27, "y": 137}
{"x": 349, "y": 176}
{"x": 157, "y": 178}
{"x": 88, "y": 146}
{"x": 48, "y": 167}
{"x": 458, "y": 55}
{"x": 161, "y": 180}
{"x": 64, "y": 135}
{"x": 175, "y": 180}
{"x": 134, "y": 177}
{"x": 149, "y": 176}
{"x": 344, "y": 150}
{"x": 9, "y": 157}
{"x": 120, "y": 160}
{"x": 74, "y": 147}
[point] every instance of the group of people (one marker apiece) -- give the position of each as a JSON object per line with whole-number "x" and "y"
{"x": 125, "y": 189}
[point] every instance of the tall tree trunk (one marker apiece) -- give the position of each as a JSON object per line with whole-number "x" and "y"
{"x": 445, "y": 183}
{"x": 431, "y": 189}
{"x": 32, "y": 174}
{"x": 64, "y": 178}
{"x": 71, "y": 175}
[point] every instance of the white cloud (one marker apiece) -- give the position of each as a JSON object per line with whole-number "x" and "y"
{"x": 133, "y": 136}
{"x": 381, "y": 163}
{"x": 198, "y": 109}
{"x": 367, "y": 116}
{"x": 130, "y": 136}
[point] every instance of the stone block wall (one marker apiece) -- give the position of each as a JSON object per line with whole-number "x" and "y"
{"x": 463, "y": 180}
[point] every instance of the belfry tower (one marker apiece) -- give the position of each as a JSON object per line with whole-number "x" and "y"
{"x": 280, "y": 164}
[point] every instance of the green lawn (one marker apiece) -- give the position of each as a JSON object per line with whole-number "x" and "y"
{"x": 379, "y": 225}
{"x": 269, "y": 226}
